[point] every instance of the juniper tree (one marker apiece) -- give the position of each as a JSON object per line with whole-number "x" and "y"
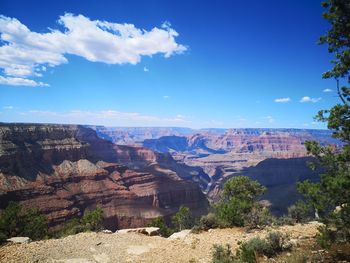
{"x": 331, "y": 195}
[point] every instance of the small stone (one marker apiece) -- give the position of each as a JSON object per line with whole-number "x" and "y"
{"x": 180, "y": 235}
{"x": 19, "y": 240}
{"x": 106, "y": 231}
{"x": 150, "y": 231}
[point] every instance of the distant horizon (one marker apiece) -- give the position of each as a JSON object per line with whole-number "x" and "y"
{"x": 156, "y": 127}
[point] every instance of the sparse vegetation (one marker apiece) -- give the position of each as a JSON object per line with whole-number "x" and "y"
{"x": 164, "y": 230}
{"x": 239, "y": 202}
{"x": 258, "y": 217}
{"x": 297, "y": 257}
{"x": 300, "y": 212}
{"x": 91, "y": 221}
{"x": 183, "y": 219}
{"x": 208, "y": 221}
{"x": 16, "y": 220}
{"x": 330, "y": 197}
{"x": 223, "y": 254}
{"x": 251, "y": 250}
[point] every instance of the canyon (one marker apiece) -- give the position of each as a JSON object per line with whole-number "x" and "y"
{"x": 65, "y": 169}
{"x": 277, "y": 158}
{"x": 136, "y": 174}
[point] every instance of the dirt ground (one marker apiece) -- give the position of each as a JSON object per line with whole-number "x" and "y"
{"x": 132, "y": 247}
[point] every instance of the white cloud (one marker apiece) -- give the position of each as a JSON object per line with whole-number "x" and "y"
{"x": 166, "y": 97}
{"x": 327, "y": 90}
{"x": 21, "y": 82}
{"x": 145, "y": 69}
{"x": 282, "y": 100}
{"x": 269, "y": 119}
{"x": 309, "y": 99}
{"x": 26, "y": 53}
{"x": 8, "y": 107}
{"x": 105, "y": 117}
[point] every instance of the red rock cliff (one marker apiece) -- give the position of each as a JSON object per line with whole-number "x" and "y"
{"x": 65, "y": 169}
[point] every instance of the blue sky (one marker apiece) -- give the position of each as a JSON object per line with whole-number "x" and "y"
{"x": 196, "y": 64}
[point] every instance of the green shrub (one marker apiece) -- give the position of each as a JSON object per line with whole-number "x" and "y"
{"x": 250, "y": 250}
{"x": 18, "y": 221}
{"x": 3, "y": 237}
{"x": 276, "y": 241}
{"x": 285, "y": 220}
{"x": 239, "y": 197}
{"x": 91, "y": 221}
{"x": 297, "y": 257}
{"x": 300, "y": 212}
{"x": 164, "y": 230}
{"x": 222, "y": 254}
{"x": 258, "y": 217}
{"x": 71, "y": 227}
{"x": 208, "y": 221}
{"x": 325, "y": 236}
{"x": 183, "y": 219}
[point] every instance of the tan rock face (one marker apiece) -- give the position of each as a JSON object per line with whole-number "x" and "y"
{"x": 65, "y": 169}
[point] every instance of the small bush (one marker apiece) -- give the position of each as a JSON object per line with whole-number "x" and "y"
{"x": 325, "y": 237}
{"x": 183, "y": 219}
{"x": 164, "y": 230}
{"x": 239, "y": 197}
{"x": 248, "y": 251}
{"x": 285, "y": 220}
{"x": 3, "y": 237}
{"x": 208, "y": 221}
{"x": 91, "y": 221}
{"x": 297, "y": 257}
{"x": 18, "y": 221}
{"x": 300, "y": 212}
{"x": 196, "y": 229}
{"x": 71, "y": 227}
{"x": 222, "y": 254}
{"x": 232, "y": 213}
{"x": 276, "y": 241}
{"x": 258, "y": 217}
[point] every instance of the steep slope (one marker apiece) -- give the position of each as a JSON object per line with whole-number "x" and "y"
{"x": 275, "y": 157}
{"x": 279, "y": 176}
{"x": 64, "y": 169}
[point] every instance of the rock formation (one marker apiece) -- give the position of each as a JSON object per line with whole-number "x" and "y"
{"x": 65, "y": 169}
{"x": 275, "y": 157}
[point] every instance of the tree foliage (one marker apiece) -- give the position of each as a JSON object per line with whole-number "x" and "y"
{"x": 91, "y": 221}
{"x": 164, "y": 230}
{"x": 300, "y": 212}
{"x": 239, "y": 198}
{"x": 183, "y": 219}
{"x": 331, "y": 195}
{"x": 15, "y": 220}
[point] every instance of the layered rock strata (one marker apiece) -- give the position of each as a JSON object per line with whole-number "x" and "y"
{"x": 65, "y": 169}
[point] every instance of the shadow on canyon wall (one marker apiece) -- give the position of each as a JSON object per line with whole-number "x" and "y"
{"x": 280, "y": 176}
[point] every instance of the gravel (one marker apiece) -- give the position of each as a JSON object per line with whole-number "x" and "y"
{"x": 133, "y": 247}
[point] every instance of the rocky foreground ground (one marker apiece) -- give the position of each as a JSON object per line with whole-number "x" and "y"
{"x": 132, "y": 247}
